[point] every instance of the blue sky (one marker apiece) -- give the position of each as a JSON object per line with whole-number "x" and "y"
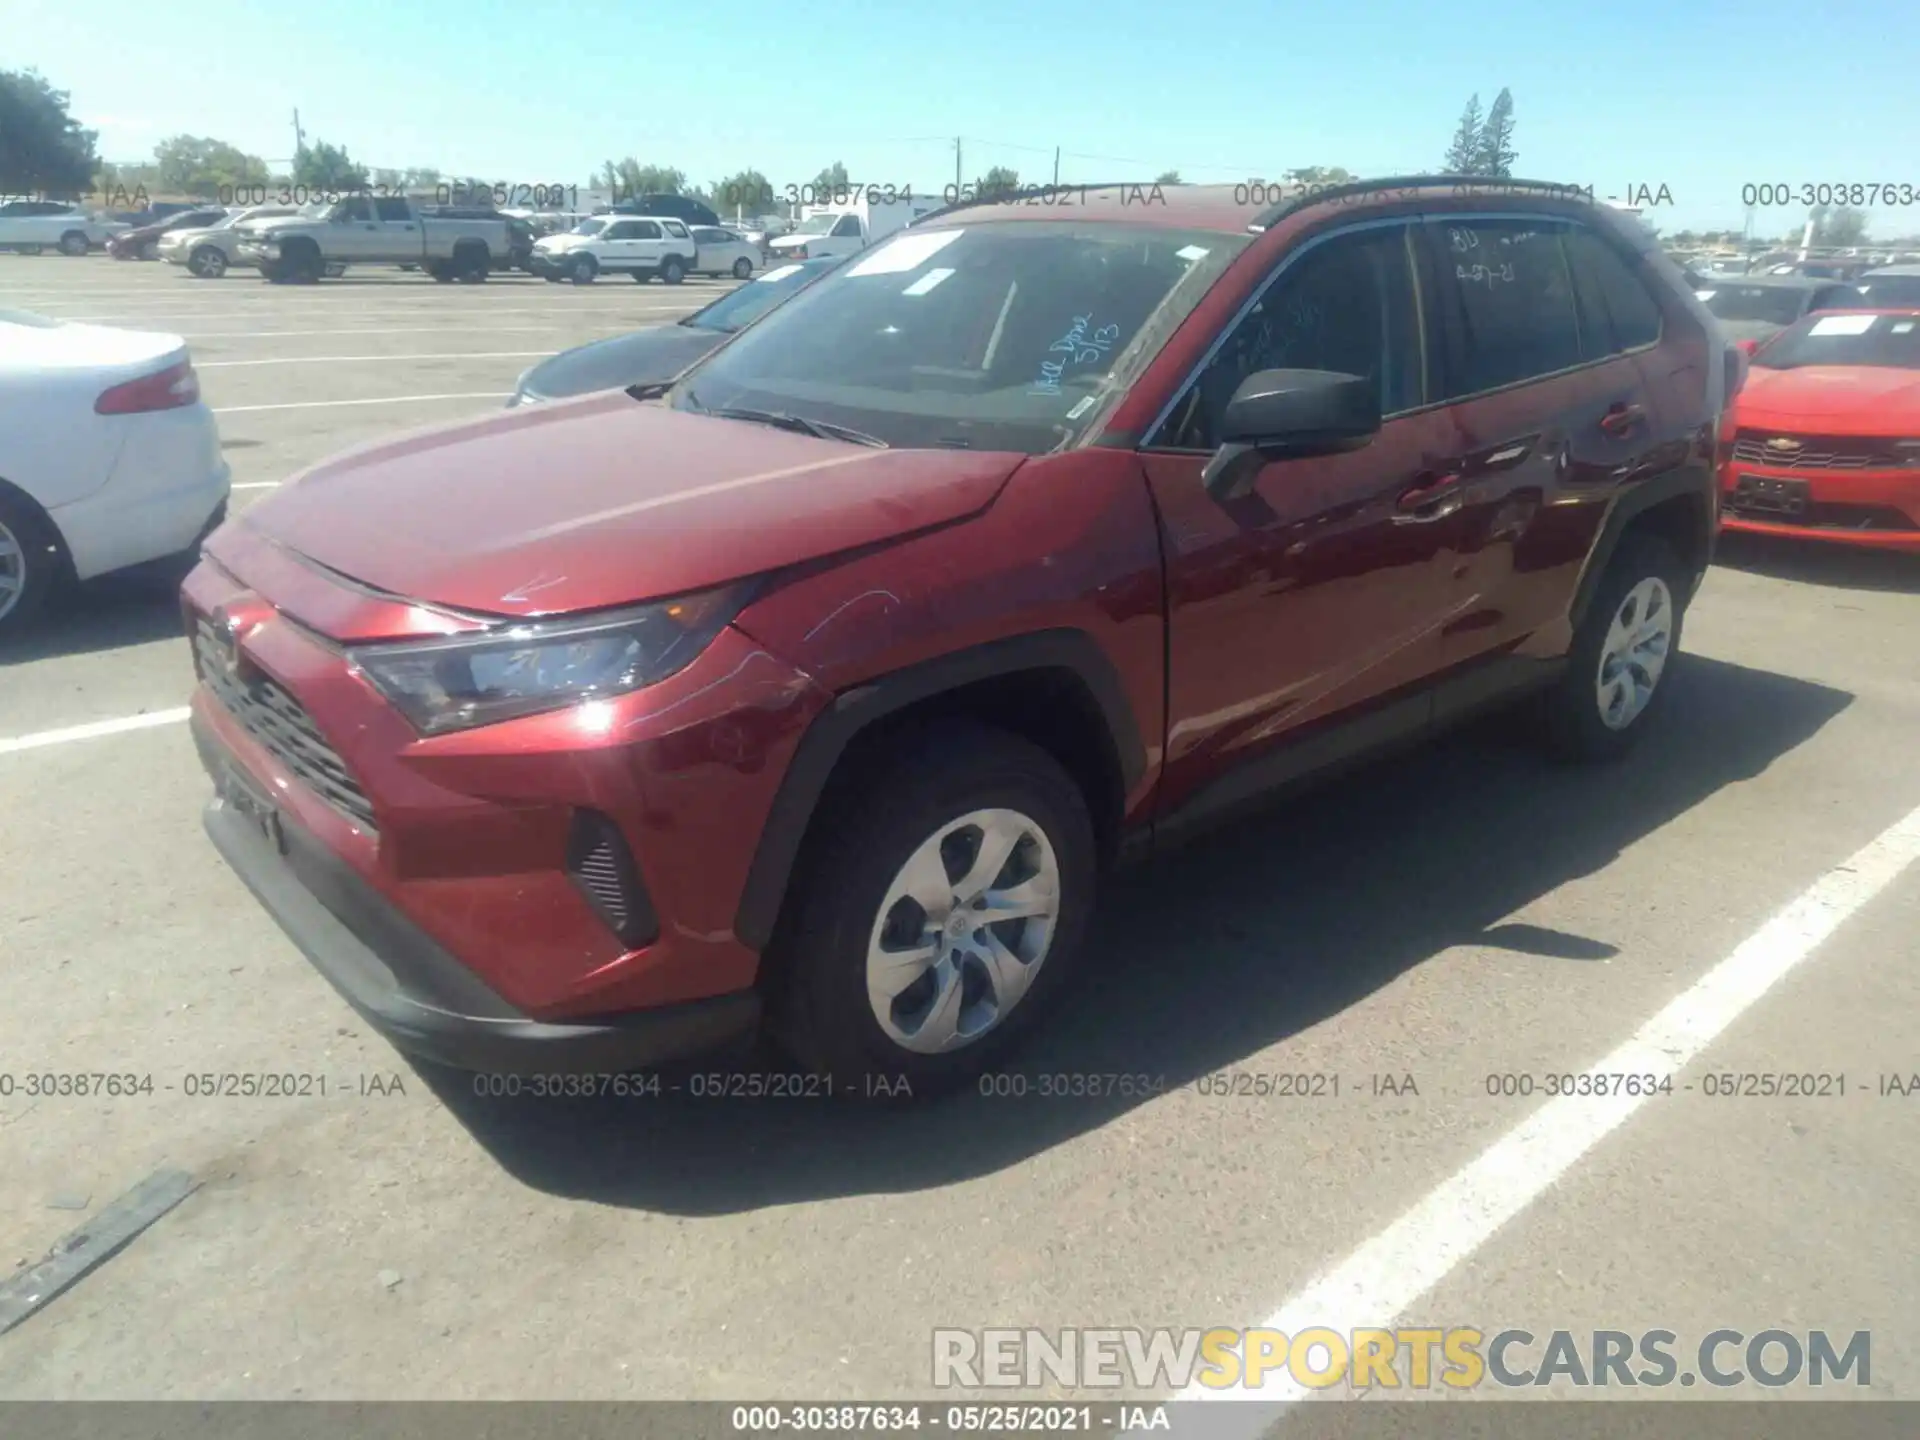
{"x": 1701, "y": 96}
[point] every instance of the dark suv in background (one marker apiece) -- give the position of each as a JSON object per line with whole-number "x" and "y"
{"x": 822, "y": 685}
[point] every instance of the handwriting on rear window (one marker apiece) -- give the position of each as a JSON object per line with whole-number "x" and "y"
{"x": 1081, "y": 345}
{"x": 1487, "y": 275}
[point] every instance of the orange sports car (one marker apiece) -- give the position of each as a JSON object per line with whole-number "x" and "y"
{"x": 1823, "y": 442}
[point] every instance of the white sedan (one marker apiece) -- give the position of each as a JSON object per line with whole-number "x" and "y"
{"x": 724, "y": 252}
{"x": 108, "y": 457}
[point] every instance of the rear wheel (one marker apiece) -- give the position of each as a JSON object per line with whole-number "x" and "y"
{"x": 440, "y": 271}
{"x": 74, "y": 242}
{"x": 209, "y": 262}
{"x": 29, "y": 564}
{"x": 1620, "y": 665}
{"x": 583, "y": 269}
{"x": 472, "y": 263}
{"x": 940, "y": 912}
{"x": 742, "y": 268}
{"x": 673, "y": 270}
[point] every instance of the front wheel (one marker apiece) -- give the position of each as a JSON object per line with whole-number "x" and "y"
{"x": 941, "y": 908}
{"x": 583, "y": 269}
{"x": 742, "y": 268}
{"x": 209, "y": 262}
{"x": 1620, "y": 666}
{"x": 150, "y": 250}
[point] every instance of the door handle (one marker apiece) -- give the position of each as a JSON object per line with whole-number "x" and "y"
{"x": 1621, "y": 418}
{"x": 1436, "y": 496}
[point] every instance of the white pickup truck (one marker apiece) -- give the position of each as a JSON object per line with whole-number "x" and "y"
{"x": 829, "y": 230}
{"x": 31, "y": 226}
{"x": 372, "y": 230}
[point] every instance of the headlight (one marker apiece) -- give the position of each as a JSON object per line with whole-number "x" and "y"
{"x": 469, "y": 680}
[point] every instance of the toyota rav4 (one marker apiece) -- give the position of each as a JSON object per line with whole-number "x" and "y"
{"x": 819, "y": 689}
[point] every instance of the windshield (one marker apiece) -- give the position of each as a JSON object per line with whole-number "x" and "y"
{"x": 817, "y": 224}
{"x": 752, "y": 300}
{"x": 589, "y": 227}
{"x": 1890, "y": 289}
{"x": 1774, "y": 304}
{"x": 1887, "y": 341}
{"x": 1007, "y": 336}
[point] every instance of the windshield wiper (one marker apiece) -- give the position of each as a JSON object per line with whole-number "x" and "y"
{"x": 819, "y": 429}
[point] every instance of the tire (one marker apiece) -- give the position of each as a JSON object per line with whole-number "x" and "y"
{"x": 74, "y": 242}
{"x": 28, "y": 249}
{"x": 1614, "y": 691}
{"x": 640, "y": 277}
{"x": 472, "y": 264}
{"x": 551, "y": 277}
{"x": 673, "y": 270}
{"x": 150, "y": 250}
{"x": 582, "y": 269}
{"x": 303, "y": 265}
{"x": 742, "y": 268}
{"x": 209, "y": 262}
{"x": 929, "y": 782}
{"x": 31, "y": 563}
{"x": 440, "y": 271}
{"x": 117, "y": 254}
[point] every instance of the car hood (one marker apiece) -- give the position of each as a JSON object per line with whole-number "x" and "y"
{"x": 606, "y": 501}
{"x": 562, "y": 242}
{"x": 261, "y": 228}
{"x": 142, "y": 233}
{"x": 658, "y": 352}
{"x": 1843, "y": 399}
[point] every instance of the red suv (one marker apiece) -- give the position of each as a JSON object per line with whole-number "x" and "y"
{"x": 821, "y": 687}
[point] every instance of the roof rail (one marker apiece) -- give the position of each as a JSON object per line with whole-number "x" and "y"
{"x": 995, "y": 197}
{"x": 1311, "y": 194}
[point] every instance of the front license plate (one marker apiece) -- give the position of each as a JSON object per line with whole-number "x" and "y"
{"x": 253, "y": 805}
{"x": 1766, "y": 497}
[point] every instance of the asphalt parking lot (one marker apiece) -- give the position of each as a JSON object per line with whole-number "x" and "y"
{"x": 1462, "y": 913}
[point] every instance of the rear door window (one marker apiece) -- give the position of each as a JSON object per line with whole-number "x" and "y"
{"x": 1507, "y": 295}
{"x": 1617, "y": 312}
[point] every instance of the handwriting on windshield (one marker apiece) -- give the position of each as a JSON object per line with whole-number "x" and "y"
{"x": 1464, "y": 240}
{"x": 1081, "y": 345}
{"x": 1487, "y": 275}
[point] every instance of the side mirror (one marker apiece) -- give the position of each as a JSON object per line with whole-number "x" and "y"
{"x": 1289, "y": 414}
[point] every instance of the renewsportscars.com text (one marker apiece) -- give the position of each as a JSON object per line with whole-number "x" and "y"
{"x": 1401, "y": 1358}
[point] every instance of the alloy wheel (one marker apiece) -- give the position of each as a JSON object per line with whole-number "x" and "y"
{"x": 13, "y": 571}
{"x": 1634, "y": 653}
{"x": 965, "y": 926}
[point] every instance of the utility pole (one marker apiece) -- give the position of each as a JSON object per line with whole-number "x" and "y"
{"x": 956, "y": 166}
{"x": 1056, "y": 167}
{"x": 299, "y": 136}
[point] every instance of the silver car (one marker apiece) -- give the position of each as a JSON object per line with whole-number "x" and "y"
{"x": 209, "y": 252}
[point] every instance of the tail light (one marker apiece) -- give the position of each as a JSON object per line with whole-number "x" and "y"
{"x": 170, "y": 389}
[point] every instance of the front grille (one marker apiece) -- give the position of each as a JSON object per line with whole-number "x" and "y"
{"x": 1817, "y": 452}
{"x": 268, "y": 711}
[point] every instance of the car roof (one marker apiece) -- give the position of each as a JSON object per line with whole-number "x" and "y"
{"x": 1892, "y": 270}
{"x": 1245, "y": 208}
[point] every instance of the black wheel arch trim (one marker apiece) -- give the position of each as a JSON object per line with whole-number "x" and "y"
{"x": 854, "y": 710}
{"x": 1685, "y": 481}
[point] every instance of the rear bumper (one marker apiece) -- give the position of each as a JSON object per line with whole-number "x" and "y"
{"x": 167, "y": 480}
{"x": 415, "y": 992}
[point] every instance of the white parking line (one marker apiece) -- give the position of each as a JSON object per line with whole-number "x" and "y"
{"x": 368, "y": 359}
{"x": 1381, "y": 1280}
{"x": 125, "y": 317}
{"x": 383, "y": 400}
{"x": 93, "y": 731}
{"x": 257, "y": 485}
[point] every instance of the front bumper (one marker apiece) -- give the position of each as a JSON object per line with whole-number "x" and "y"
{"x": 1868, "y": 509}
{"x": 411, "y": 989}
{"x": 550, "y": 262}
